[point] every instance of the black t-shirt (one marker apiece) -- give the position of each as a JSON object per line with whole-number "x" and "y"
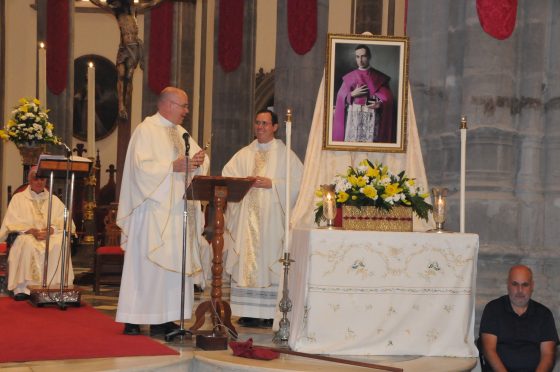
{"x": 519, "y": 337}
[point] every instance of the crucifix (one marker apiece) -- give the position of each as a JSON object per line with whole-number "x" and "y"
{"x": 129, "y": 55}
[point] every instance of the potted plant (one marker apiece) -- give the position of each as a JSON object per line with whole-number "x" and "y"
{"x": 29, "y": 129}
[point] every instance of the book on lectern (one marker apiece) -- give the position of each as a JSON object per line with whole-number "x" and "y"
{"x": 60, "y": 163}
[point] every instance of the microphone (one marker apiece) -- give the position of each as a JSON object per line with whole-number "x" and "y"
{"x": 68, "y": 151}
{"x": 187, "y": 144}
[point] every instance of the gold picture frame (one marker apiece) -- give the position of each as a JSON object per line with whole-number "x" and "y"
{"x": 367, "y": 76}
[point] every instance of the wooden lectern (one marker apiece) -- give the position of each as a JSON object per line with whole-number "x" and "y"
{"x": 218, "y": 191}
{"x": 67, "y": 168}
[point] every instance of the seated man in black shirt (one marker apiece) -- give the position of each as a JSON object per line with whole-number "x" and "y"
{"x": 517, "y": 333}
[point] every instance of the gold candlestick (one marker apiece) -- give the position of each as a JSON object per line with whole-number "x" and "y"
{"x": 463, "y": 124}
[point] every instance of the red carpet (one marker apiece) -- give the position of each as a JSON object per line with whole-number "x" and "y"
{"x": 29, "y": 333}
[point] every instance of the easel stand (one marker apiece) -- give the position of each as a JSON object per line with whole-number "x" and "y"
{"x": 217, "y": 190}
{"x": 67, "y": 168}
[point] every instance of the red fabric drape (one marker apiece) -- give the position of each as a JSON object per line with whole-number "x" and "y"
{"x": 58, "y": 18}
{"x": 230, "y": 34}
{"x": 159, "y": 60}
{"x": 302, "y": 24}
{"x": 497, "y": 17}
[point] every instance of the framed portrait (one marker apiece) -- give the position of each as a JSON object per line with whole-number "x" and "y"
{"x": 366, "y": 91}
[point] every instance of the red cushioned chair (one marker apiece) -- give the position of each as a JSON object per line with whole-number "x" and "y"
{"x": 3, "y": 266}
{"x": 109, "y": 257}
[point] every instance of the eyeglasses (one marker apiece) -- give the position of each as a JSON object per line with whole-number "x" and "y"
{"x": 262, "y": 123}
{"x": 184, "y": 106}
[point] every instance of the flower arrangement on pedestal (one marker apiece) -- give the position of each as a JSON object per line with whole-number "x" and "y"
{"x": 29, "y": 125}
{"x": 373, "y": 185}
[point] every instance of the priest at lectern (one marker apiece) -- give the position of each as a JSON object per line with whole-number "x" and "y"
{"x": 27, "y": 215}
{"x": 150, "y": 215}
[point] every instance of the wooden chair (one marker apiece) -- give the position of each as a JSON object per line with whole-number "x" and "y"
{"x": 109, "y": 257}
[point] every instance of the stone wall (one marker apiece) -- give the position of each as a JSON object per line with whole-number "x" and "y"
{"x": 509, "y": 91}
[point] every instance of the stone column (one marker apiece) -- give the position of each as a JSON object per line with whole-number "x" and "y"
{"x": 527, "y": 108}
{"x": 551, "y": 104}
{"x": 297, "y": 77}
{"x": 182, "y": 57}
{"x": 233, "y": 96}
{"x": 2, "y": 78}
{"x": 61, "y": 106}
{"x": 432, "y": 83}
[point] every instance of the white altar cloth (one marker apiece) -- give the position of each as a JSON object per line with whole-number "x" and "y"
{"x": 383, "y": 293}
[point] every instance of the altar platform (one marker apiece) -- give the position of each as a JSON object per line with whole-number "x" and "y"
{"x": 192, "y": 359}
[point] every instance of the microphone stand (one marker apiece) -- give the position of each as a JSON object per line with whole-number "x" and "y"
{"x": 64, "y": 296}
{"x": 181, "y": 331}
{"x": 68, "y": 200}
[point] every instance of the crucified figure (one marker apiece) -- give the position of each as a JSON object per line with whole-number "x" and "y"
{"x": 130, "y": 52}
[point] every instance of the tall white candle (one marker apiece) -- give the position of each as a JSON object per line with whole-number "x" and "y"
{"x": 463, "y": 129}
{"x": 91, "y": 110}
{"x": 42, "y": 74}
{"x": 288, "y": 151}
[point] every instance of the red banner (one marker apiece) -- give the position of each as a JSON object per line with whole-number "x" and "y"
{"x": 161, "y": 37}
{"x": 58, "y": 18}
{"x": 230, "y": 34}
{"x": 302, "y": 24}
{"x": 497, "y": 17}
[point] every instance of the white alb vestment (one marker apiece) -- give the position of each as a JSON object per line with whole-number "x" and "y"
{"x": 256, "y": 226}
{"x": 29, "y": 210}
{"x": 150, "y": 215}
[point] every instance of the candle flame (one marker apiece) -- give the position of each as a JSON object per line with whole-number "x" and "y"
{"x": 90, "y": 64}
{"x": 42, "y": 45}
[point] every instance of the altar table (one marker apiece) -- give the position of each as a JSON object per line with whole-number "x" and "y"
{"x": 383, "y": 293}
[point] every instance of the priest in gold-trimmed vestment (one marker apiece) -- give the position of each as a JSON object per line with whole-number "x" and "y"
{"x": 256, "y": 224}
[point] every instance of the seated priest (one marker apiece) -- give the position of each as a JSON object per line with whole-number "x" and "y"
{"x": 27, "y": 216}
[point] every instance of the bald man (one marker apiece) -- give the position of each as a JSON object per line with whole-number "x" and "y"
{"x": 517, "y": 333}
{"x": 150, "y": 214}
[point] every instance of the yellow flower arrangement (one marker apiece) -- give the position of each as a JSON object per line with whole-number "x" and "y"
{"x": 374, "y": 185}
{"x": 29, "y": 124}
